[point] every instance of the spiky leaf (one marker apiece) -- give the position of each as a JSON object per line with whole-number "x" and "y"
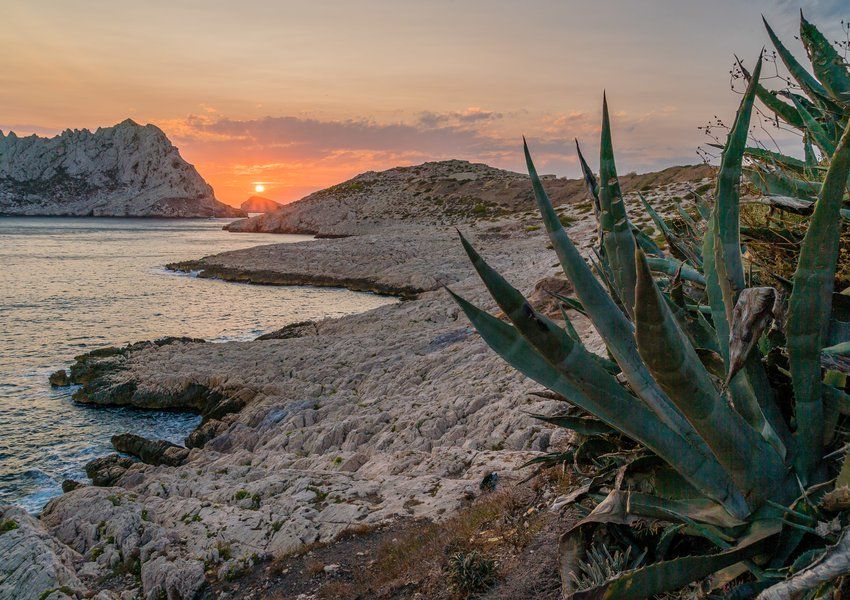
{"x": 810, "y": 306}
{"x": 618, "y": 241}
{"x": 753, "y": 464}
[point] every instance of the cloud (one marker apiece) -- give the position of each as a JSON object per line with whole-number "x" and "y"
{"x": 288, "y": 137}
{"x": 300, "y": 154}
{"x": 471, "y": 115}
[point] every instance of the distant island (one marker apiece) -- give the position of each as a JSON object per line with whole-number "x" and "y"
{"x": 258, "y": 204}
{"x": 128, "y": 170}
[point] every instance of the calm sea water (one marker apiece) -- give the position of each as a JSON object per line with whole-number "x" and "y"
{"x": 68, "y": 286}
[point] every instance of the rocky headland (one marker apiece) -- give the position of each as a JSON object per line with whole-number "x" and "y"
{"x": 450, "y": 192}
{"x": 258, "y": 204}
{"x": 128, "y": 170}
{"x": 325, "y": 428}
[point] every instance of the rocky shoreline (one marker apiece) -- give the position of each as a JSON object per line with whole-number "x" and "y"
{"x": 318, "y": 429}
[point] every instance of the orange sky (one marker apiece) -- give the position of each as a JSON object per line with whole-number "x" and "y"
{"x": 303, "y": 95}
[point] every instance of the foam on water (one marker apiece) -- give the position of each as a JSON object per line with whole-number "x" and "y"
{"x": 68, "y": 286}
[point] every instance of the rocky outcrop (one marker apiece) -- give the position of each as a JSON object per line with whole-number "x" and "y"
{"x": 452, "y": 192}
{"x": 151, "y": 452}
{"x": 128, "y": 170}
{"x": 34, "y": 564}
{"x": 105, "y": 471}
{"x": 258, "y": 204}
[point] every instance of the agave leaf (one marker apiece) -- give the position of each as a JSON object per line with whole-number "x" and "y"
{"x": 776, "y": 183}
{"x": 834, "y": 563}
{"x": 568, "y": 324}
{"x": 609, "y": 321}
{"x": 669, "y": 575}
{"x": 809, "y": 152}
{"x": 582, "y": 425}
{"x": 776, "y": 159}
{"x": 753, "y": 464}
{"x": 810, "y": 306}
{"x": 818, "y": 134}
{"x": 832, "y": 380}
{"x": 753, "y": 314}
{"x": 752, "y": 395}
{"x": 687, "y": 218}
{"x": 703, "y": 209}
{"x": 700, "y": 510}
{"x": 646, "y": 243}
{"x": 828, "y": 65}
{"x": 626, "y": 415}
{"x": 592, "y": 187}
{"x": 805, "y": 79}
{"x": 672, "y": 266}
{"x": 618, "y": 241}
{"x": 677, "y": 246}
{"x": 793, "y": 205}
{"x": 727, "y": 248}
{"x": 782, "y": 110}
{"x": 590, "y": 182}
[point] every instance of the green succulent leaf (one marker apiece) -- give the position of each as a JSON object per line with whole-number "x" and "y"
{"x": 810, "y": 307}
{"x": 582, "y": 425}
{"x": 672, "y": 266}
{"x": 619, "y": 242}
{"x": 805, "y": 79}
{"x": 610, "y": 322}
{"x": 628, "y": 416}
{"x": 777, "y": 183}
{"x": 727, "y": 215}
{"x": 670, "y": 575}
{"x": 752, "y": 463}
{"x": 776, "y": 159}
{"x": 677, "y": 245}
{"x": 816, "y": 131}
{"x": 829, "y": 66}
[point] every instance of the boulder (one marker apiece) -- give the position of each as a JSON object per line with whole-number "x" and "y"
{"x": 106, "y": 470}
{"x": 152, "y": 452}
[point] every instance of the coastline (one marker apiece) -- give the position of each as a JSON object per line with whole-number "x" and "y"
{"x": 396, "y": 413}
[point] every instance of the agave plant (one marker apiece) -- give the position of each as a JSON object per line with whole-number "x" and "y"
{"x": 729, "y": 423}
{"x": 818, "y": 107}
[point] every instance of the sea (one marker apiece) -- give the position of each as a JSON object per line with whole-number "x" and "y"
{"x": 70, "y": 285}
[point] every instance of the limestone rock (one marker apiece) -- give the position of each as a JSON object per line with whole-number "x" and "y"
{"x": 104, "y": 471}
{"x": 178, "y": 580}
{"x": 59, "y": 379}
{"x": 152, "y": 452}
{"x": 33, "y": 562}
{"x": 125, "y": 170}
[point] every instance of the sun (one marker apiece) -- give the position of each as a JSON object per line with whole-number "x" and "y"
{"x": 259, "y": 188}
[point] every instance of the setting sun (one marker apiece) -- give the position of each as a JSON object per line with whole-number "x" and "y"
{"x": 259, "y": 188}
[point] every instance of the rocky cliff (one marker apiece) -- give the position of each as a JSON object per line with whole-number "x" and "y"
{"x": 451, "y": 192}
{"x": 126, "y": 170}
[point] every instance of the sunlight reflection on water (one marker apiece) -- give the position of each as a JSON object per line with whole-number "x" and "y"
{"x": 68, "y": 286}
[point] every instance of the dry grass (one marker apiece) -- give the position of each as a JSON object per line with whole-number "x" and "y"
{"x": 495, "y": 527}
{"x": 777, "y": 250}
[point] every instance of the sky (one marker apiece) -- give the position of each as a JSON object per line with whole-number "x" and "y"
{"x": 298, "y": 96}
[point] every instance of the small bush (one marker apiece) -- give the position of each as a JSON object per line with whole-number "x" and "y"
{"x": 470, "y": 573}
{"x": 8, "y": 525}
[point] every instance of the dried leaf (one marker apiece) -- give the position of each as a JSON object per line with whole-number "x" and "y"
{"x": 752, "y": 315}
{"x": 834, "y": 563}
